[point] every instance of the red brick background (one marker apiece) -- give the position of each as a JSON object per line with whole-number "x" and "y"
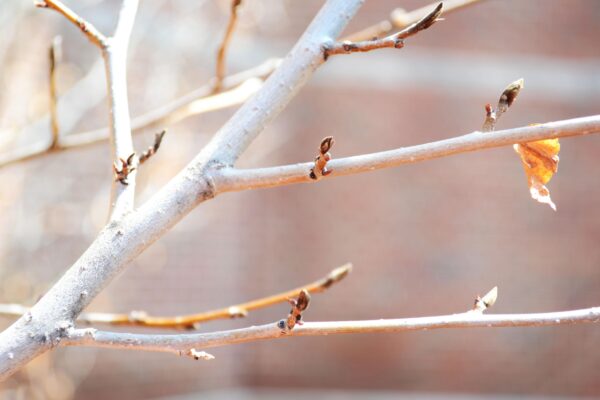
{"x": 424, "y": 238}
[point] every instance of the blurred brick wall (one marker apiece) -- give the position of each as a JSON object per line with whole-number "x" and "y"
{"x": 424, "y": 238}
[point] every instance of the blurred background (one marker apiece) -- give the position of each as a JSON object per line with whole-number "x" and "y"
{"x": 425, "y": 238}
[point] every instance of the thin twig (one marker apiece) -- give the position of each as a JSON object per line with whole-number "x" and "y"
{"x": 233, "y": 179}
{"x": 399, "y": 19}
{"x": 507, "y": 98}
{"x": 150, "y": 151}
{"x": 395, "y": 41}
{"x": 220, "y": 68}
{"x": 88, "y": 29}
{"x": 182, "y": 343}
{"x": 54, "y": 58}
{"x": 191, "y": 321}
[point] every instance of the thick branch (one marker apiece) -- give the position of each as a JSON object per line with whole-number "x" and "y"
{"x": 231, "y": 179}
{"x": 182, "y": 344}
{"x": 121, "y": 241}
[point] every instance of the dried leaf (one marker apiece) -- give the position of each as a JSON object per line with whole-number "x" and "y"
{"x": 540, "y": 161}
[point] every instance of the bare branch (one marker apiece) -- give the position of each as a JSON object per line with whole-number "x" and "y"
{"x": 232, "y": 179}
{"x": 54, "y": 56}
{"x": 181, "y": 344}
{"x": 88, "y": 29}
{"x": 220, "y": 69}
{"x": 191, "y": 321}
{"x": 122, "y": 240}
{"x": 115, "y": 59}
{"x": 150, "y": 151}
{"x": 395, "y": 41}
{"x": 400, "y": 19}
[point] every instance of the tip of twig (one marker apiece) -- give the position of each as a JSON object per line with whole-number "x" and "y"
{"x": 237, "y": 312}
{"x": 40, "y": 3}
{"x": 326, "y": 144}
{"x": 338, "y": 274}
{"x": 487, "y": 301}
{"x": 422, "y": 24}
{"x": 512, "y": 91}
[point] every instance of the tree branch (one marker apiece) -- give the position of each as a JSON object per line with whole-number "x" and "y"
{"x": 399, "y": 19}
{"x": 185, "y": 344}
{"x": 395, "y": 41}
{"x": 49, "y": 321}
{"x": 54, "y": 58}
{"x": 232, "y": 179}
{"x": 190, "y": 321}
{"x": 220, "y": 68}
{"x": 115, "y": 60}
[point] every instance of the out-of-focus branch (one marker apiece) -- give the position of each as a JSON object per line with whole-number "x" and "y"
{"x": 239, "y": 88}
{"x": 400, "y": 18}
{"x": 233, "y": 179}
{"x": 191, "y": 321}
{"x": 393, "y": 41}
{"x": 183, "y": 344}
{"x": 220, "y": 68}
{"x": 88, "y": 29}
{"x": 54, "y": 58}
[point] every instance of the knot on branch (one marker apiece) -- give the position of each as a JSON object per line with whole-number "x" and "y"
{"x": 123, "y": 168}
{"x": 320, "y": 170}
{"x": 299, "y": 305}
